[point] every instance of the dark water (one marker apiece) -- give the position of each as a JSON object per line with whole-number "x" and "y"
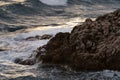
{"x": 22, "y": 19}
{"x": 20, "y": 15}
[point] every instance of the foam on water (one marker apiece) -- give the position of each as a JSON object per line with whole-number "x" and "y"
{"x": 54, "y": 2}
{"x": 16, "y": 47}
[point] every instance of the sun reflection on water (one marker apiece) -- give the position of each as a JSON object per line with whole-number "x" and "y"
{"x": 13, "y": 70}
{"x": 2, "y": 3}
{"x": 70, "y": 24}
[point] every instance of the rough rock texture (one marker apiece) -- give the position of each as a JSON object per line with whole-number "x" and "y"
{"x": 59, "y": 45}
{"x": 94, "y": 45}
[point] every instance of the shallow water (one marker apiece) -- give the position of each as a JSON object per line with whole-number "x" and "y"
{"x": 15, "y": 46}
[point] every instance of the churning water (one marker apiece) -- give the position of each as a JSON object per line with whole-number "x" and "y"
{"x": 20, "y": 19}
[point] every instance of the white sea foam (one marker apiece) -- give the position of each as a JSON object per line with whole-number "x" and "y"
{"x": 54, "y": 2}
{"x": 17, "y": 46}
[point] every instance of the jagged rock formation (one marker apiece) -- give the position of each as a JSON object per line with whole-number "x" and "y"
{"x": 94, "y": 45}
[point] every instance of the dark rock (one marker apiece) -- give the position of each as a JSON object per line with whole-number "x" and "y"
{"x": 56, "y": 46}
{"x": 31, "y": 39}
{"x": 17, "y": 60}
{"x": 45, "y": 36}
{"x": 24, "y": 62}
{"x": 94, "y": 45}
{"x": 2, "y": 49}
{"x": 37, "y": 37}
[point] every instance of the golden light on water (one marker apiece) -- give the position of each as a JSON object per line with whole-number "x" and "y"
{"x": 10, "y": 2}
{"x": 3, "y": 3}
{"x": 12, "y": 73}
{"x": 71, "y": 23}
{"x": 18, "y": 0}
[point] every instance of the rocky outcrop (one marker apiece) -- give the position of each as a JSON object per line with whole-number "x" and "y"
{"x": 94, "y": 45}
{"x": 59, "y": 45}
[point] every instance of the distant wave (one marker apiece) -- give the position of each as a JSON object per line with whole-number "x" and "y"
{"x": 54, "y": 2}
{"x": 38, "y": 6}
{"x": 45, "y": 8}
{"x": 92, "y": 1}
{"x": 27, "y": 8}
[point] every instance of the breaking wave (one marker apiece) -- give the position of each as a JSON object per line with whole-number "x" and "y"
{"x": 54, "y": 2}
{"x": 16, "y": 16}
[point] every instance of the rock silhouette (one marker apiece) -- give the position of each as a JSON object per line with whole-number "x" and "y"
{"x": 94, "y": 45}
{"x": 24, "y": 62}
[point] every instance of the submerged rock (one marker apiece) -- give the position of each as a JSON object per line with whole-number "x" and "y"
{"x": 37, "y": 37}
{"x": 94, "y": 45}
{"x": 2, "y": 49}
{"x": 24, "y": 62}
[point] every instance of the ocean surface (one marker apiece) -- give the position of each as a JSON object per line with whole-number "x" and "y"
{"x": 20, "y": 19}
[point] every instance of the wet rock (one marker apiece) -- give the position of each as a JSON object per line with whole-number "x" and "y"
{"x": 37, "y": 37}
{"x": 31, "y": 39}
{"x": 24, "y": 62}
{"x": 57, "y": 45}
{"x": 17, "y": 60}
{"x": 117, "y": 74}
{"x": 2, "y": 49}
{"x": 46, "y": 36}
{"x": 94, "y": 45}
